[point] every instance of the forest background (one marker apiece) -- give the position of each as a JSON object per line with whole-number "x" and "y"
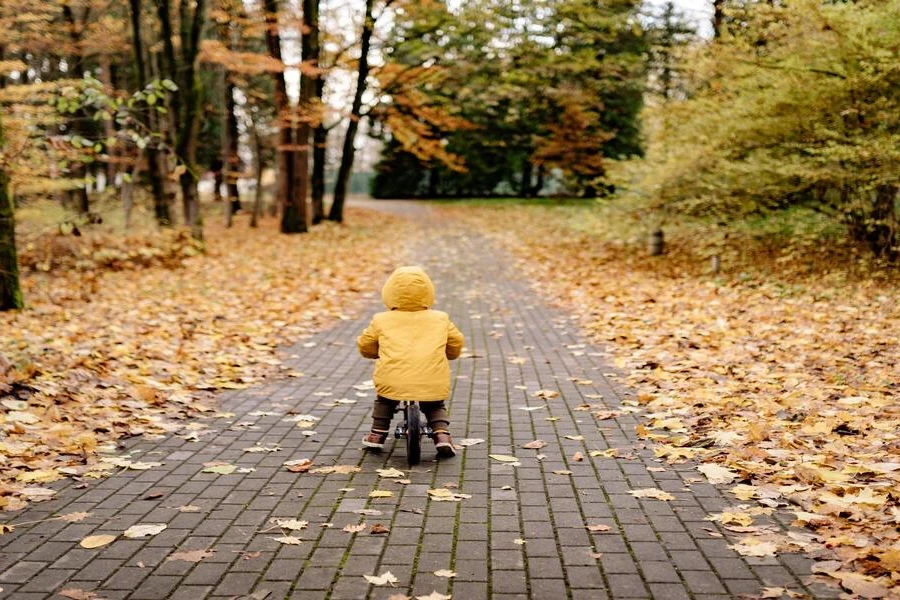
{"x": 772, "y": 108}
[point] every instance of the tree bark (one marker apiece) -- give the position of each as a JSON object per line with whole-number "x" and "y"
{"x": 320, "y": 134}
{"x": 77, "y": 123}
{"x": 285, "y": 156}
{"x": 525, "y": 183}
{"x": 295, "y": 219}
{"x": 718, "y": 18}
{"x": 346, "y": 167}
{"x": 257, "y": 171}
{"x": 189, "y": 103}
{"x": 10, "y": 292}
{"x": 232, "y": 158}
{"x": 154, "y": 167}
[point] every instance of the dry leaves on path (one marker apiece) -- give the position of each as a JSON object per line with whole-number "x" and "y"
{"x": 193, "y": 556}
{"x": 783, "y": 370}
{"x": 96, "y": 541}
{"x": 386, "y": 578}
{"x": 130, "y": 350}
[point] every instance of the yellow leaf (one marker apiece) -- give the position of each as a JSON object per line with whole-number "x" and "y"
{"x": 95, "y": 541}
{"x": 504, "y": 458}
{"x": 652, "y": 493}
{"x": 380, "y": 494}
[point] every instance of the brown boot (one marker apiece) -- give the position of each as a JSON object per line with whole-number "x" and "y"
{"x": 444, "y": 444}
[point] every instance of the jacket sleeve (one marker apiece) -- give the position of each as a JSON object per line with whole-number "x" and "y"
{"x": 367, "y": 343}
{"x": 455, "y": 341}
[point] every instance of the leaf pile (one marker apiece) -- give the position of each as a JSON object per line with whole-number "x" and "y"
{"x": 141, "y": 350}
{"x": 103, "y": 251}
{"x": 791, "y": 386}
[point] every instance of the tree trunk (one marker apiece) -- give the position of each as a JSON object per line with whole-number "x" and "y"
{"x": 320, "y": 145}
{"x": 348, "y": 151}
{"x": 883, "y": 238}
{"x": 295, "y": 219}
{"x": 154, "y": 165}
{"x": 77, "y": 123}
{"x": 718, "y": 17}
{"x": 257, "y": 171}
{"x": 233, "y": 159}
{"x": 285, "y": 156}
{"x": 525, "y": 183}
{"x": 539, "y": 184}
{"x": 320, "y": 134}
{"x": 10, "y": 292}
{"x": 189, "y": 121}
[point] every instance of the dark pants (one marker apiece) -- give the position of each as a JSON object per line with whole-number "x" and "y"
{"x": 435, "y": 413}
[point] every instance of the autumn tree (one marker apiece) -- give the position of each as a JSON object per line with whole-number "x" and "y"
{"x": 792, "y": 106}
{"x": 524, "y": 79}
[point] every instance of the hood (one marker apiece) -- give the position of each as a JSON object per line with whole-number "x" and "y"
{"x": 409, "y": 289}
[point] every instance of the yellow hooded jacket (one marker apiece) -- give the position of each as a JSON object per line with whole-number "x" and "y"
{"x": 411, "y": 342}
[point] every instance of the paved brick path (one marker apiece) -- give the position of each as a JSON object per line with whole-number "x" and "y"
{"x": 516, "y": 345}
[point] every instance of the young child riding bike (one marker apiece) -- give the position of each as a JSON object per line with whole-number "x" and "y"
{"x": 412, "y": 344}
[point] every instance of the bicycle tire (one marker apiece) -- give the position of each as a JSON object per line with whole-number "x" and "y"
{"x": 413, "y": 434}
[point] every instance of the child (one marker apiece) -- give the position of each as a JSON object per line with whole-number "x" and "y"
{"x": 412, "y": 344}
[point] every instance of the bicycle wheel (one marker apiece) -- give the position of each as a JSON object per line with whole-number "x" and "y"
{"x": 413, "y": 434}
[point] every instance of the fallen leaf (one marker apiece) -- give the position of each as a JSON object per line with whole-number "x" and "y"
{"x": 546, "y": 394}
{"x": 288, "y": 540}
{"x": 470, "y": 441}
{"x": 754, "y": 547}
{"x": 434, "y": 596}
{"x": 301, "y": 465}
{"x": 717, "y": 474}
{"x": 386, "y": 578}
{"x": 95, "y": 541}
{"x": 519, "y": 541}
{"x": 262, "y": 449}
{"x": 189, "y": 508}
{"x": 598, "y": 528}
{"x": 578, "y": 457}
{"x": 652, "y": 493}
{"x": 368, "y": 511}
{"x": 292, "y": 524}
{"x": 220, "y": 469}
{"x": 445, "y": 573}
{"x": 392, "y": 472}
{"x": 144, "y": 530}
{"x": 562, "y": 472}
{"x": 354, "y": 528}
{"x": 378, "y": 529}
{"x": 380, "y": 494}
{"x": 193, "y": 556}
{"x": 75, "y": 517}
{"x": 535, "y": 445}
{"x": 340, "y": 469}
{"x": 576, "y": 438}
{"x": 78, "y": 594}
{"x": 535, "y": 408}
{"x": 608, "y": 453}
{"x": 862, "y": 585}
{"x": 446, "y": 495}
{"x": 504, "y": 458}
